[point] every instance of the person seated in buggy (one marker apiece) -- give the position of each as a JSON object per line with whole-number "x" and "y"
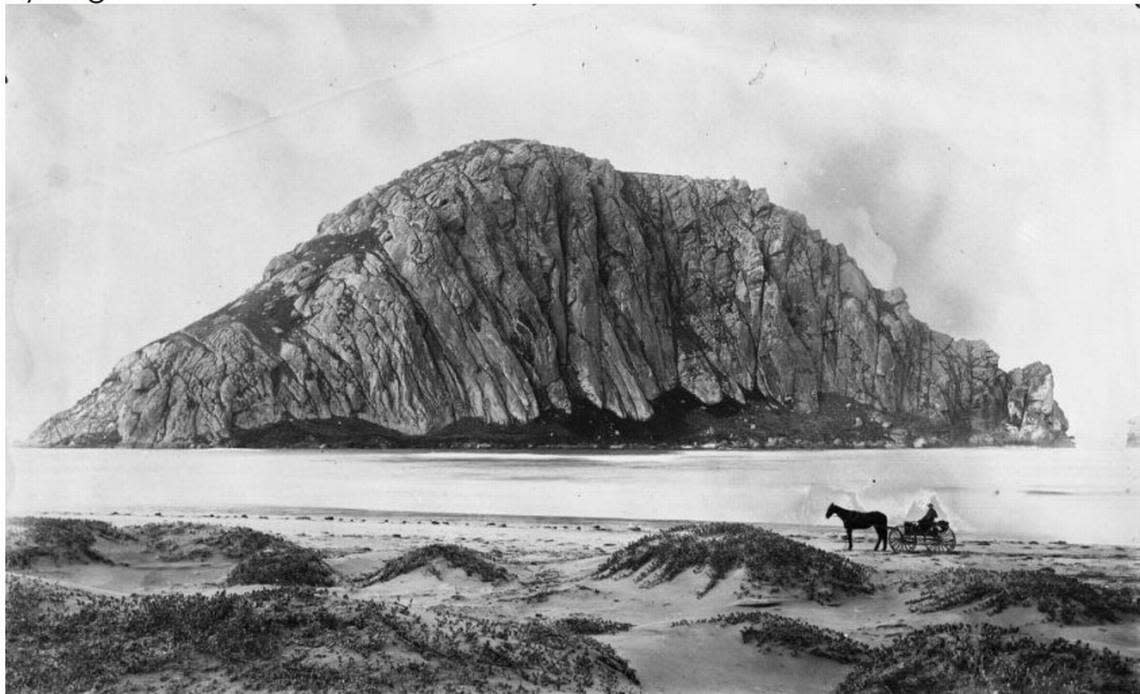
{"x": 926, "y": 523}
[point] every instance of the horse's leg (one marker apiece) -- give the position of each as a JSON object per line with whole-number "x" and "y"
{"x": 882, "y": 531}
{"x": 850, "y": 542}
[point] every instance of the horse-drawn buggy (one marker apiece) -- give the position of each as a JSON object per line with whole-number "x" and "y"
{"x": 933, "y": 535}
{"x": 936, "y": 537}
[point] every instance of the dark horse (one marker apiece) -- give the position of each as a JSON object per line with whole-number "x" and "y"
{"x": 858, "y": 520}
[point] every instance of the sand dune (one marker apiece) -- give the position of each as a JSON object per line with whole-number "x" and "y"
{"x": 663, "y": 629}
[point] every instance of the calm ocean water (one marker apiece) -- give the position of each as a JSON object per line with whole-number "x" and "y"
{"x": 1077, "y": 495}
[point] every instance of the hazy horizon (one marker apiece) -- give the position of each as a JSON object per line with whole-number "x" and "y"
{"x": 984, "y": 159}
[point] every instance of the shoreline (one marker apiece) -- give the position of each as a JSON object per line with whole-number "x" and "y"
{"x": 319, "y": 514}
{"x": 988, "y": 494}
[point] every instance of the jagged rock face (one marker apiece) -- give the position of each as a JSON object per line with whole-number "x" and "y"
{"x": 1033, "y": 415}
{"x": 507, "y": 281}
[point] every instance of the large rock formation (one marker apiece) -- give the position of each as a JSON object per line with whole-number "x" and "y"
{"x": 512, "y": 283}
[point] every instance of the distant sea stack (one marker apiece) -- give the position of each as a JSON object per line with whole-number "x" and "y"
{"x": 514, "y": 293}
{"x": 1133, "y": 440}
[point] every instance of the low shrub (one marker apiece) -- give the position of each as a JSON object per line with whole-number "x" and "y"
{"x": 101, "y": 640}
{"x": 240, "y": 542}
{"x": 767, "y": 630}
{"x": 1062, "y": 598}
{"x": 986, "y": 658}
{"x": 722, "y": 547}
{"x": 476, "y": 564}
{"x": 288, "y": 639}
{"x": 283, "y": 566}
{"x": 182, "y": 541}
{"x": 60, "y": 539}
{"x": 591, "y": 626}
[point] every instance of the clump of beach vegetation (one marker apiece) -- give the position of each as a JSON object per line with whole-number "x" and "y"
{"x": 192, "y": 540}
{"x": 590, "y": 625}
{"x": 283, "y": 566}
{"x": 475, "y": 564}
{"x": 964, "y": 658}
{"x": 286, "y": 639}
{"x": 719, "y": 548}
{"x": 1062, "y": 599}
{"x": 769, "y": 631}
{"x": 240, "y": 542}
{"x": 58, "y": 539}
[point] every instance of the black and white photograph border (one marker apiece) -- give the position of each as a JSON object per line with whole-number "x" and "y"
{"x": 663, "y": 348}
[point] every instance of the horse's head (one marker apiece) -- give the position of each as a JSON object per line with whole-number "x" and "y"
{"x": 830, "y": 511}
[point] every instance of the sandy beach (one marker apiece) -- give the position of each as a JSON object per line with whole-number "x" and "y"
{"x": 674, "y": 632}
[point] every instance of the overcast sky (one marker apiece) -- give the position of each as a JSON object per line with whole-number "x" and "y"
{"x": 985, "y": 159}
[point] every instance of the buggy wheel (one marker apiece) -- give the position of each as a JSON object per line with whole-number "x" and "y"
{"x": 910, "y": 543}
{"x": 895, "y": 540}
{"x": 947, "y": 540}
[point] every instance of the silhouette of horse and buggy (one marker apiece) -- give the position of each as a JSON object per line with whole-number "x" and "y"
{"x": 931, "y": 535}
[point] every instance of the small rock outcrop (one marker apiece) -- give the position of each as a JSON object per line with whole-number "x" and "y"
{"x": 1033, "y": 416}
{"x": 511, "y": 284}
